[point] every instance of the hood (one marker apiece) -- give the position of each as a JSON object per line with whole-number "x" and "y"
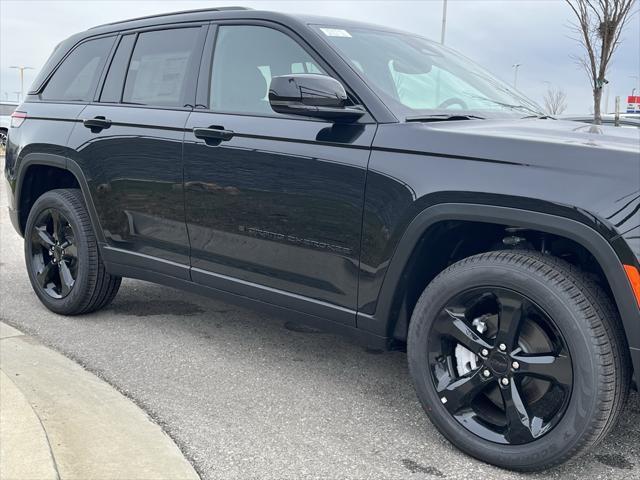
{"x": 535, "y": 142}
{"x": 593, "y": 138}
{"x": 592, "y": 168}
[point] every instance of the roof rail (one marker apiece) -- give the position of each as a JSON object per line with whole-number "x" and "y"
{"x": 169, "y": 14}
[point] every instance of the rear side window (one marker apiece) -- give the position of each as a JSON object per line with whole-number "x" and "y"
{"x": 158, "y": 70}
{"x": 112, "y": 90}
{"x": 77, "y": 76}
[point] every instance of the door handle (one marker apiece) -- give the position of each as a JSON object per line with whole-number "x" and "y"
{"x": 97, "y": 123}
{"x": 214, "y": 134}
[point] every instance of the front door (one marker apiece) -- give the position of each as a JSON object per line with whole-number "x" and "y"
{"x": 130, "y": 148}
{"x": 273, "y": 212}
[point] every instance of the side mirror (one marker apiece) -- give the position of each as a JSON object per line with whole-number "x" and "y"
{"x": 311, "y": 95}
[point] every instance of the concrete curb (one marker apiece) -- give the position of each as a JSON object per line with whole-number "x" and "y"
{"x": 61, "y": 422}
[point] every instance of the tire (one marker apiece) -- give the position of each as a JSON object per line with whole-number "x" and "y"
{"x": 3, "y": 139}
{"x": 559, "y": 305}
{"x": 64, "y": 263}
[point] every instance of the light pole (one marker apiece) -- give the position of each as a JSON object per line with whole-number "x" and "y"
{"x": 21, "y": 68}
{"x": 515, "y": 67}
{"x": 444, "y": 21}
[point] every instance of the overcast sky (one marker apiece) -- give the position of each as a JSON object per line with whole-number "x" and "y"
{"x": 495, "y": 33}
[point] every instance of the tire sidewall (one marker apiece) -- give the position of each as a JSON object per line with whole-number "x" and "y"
{"x": 55, "y": 200}
{"x": 568, "y": 319}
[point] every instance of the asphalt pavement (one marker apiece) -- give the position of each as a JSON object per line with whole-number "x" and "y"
{"x": 245, "y": 395}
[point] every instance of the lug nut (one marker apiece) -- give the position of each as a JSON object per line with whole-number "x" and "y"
{"x": 486, "y": 373}
{"x": 484, "y": 352}
{"x": 515, "y": 365}
{"x": 502, "y": 347}
{"x": 504, "y": 381}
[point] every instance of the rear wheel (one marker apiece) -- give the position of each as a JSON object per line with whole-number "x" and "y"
{"x": 516, "y": 359}
{"x": 63, "y": 261}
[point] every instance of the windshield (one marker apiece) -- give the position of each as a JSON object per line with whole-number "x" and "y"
{"x": 416, "y": 77}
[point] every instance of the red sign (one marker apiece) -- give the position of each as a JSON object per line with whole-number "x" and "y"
{"x": 633, "y": 104}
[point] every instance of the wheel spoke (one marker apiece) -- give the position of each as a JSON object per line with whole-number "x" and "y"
{"x": 70, "y": 251}
{"x": 550, "y": 367}
{"x": 42, "y": 237}
{"x": 58, "y": 227}
{"x": 518, "y": 424}
{"x": 510, "y": 318}
{"x": 44, "y": 276}
{"x": 66, "y": 278}
{"x": 456, "y": 326}
{"x": 461, "y": 392}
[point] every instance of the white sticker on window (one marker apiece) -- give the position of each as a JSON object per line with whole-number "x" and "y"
{"x": 335, "y": 32}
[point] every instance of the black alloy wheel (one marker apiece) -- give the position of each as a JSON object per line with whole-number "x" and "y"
{"x": 63, "y": 257}
{"x": 518, "y": 358}
{"x": 500, "y": 365}
{"x": 54, "y": 255}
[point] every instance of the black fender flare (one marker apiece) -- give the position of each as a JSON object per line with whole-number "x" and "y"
{"x": 381, "y": 324}
{"x": 64, "y": 163}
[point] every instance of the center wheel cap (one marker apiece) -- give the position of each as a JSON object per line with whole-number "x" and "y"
{"x": 499, "y": 363}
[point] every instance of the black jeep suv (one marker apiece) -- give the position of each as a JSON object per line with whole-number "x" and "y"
{"x": 358, "y": 179}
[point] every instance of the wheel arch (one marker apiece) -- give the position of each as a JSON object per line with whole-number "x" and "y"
{"x": 383, "y": 321}
{"x": 33, "y": 161}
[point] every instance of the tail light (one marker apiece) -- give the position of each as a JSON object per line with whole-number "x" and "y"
{"x": 18, "y": 118}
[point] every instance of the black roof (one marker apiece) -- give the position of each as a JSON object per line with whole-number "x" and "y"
{"x": 221, "y": 13}
{"x": 172, "y": 14}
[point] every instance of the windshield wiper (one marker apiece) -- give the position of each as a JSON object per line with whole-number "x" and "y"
{"x": 539, "y": 117}
{"x": 442, "y": 117}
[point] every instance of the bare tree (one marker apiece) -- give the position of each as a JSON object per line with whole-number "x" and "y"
{"x": 599, "y": 25}
{"x": 555, "y": 101}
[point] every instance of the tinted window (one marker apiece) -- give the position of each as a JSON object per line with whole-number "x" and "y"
{"x": 157, "y": 72}
{"x": 245, "y": 60}
{"x": 76, "y": 77}
{"x": 112, "y": 90}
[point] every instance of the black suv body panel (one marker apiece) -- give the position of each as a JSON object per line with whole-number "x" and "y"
{"x": 314, "y": 219}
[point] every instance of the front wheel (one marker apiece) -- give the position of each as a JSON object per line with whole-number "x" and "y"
{"x": 62, "y": 256}
{"x": 517, "y": 359}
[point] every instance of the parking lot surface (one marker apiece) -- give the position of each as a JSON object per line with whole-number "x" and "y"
{"x": 246, "y": 395}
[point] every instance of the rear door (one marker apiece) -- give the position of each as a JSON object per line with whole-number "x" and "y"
{"x": 275, "y": 211}
{"x": 130, "y": 147}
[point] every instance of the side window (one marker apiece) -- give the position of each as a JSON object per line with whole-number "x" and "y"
{"x": 157, "y": 73}
{"x": 76, "y": 77}
{"x": 245, "y": 60}
{"x": 112, "y": 89}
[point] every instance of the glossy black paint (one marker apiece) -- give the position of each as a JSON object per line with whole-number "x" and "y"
{"x": 511, "y": 380}
{"x": 278, "y": 205}
{"x": 315, "y": 218}
{"x": 134, "y": 172}
{"x": 314, "y": 96}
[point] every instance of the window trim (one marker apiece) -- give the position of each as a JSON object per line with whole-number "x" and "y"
{"x": 193, "y": 68}
{"x": 105, "y": 73}
{"x": 106, "y": 59}
{"x": 206, "y": 66}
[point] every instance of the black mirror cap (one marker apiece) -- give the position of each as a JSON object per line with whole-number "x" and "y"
{"x": 311, "y": 95}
